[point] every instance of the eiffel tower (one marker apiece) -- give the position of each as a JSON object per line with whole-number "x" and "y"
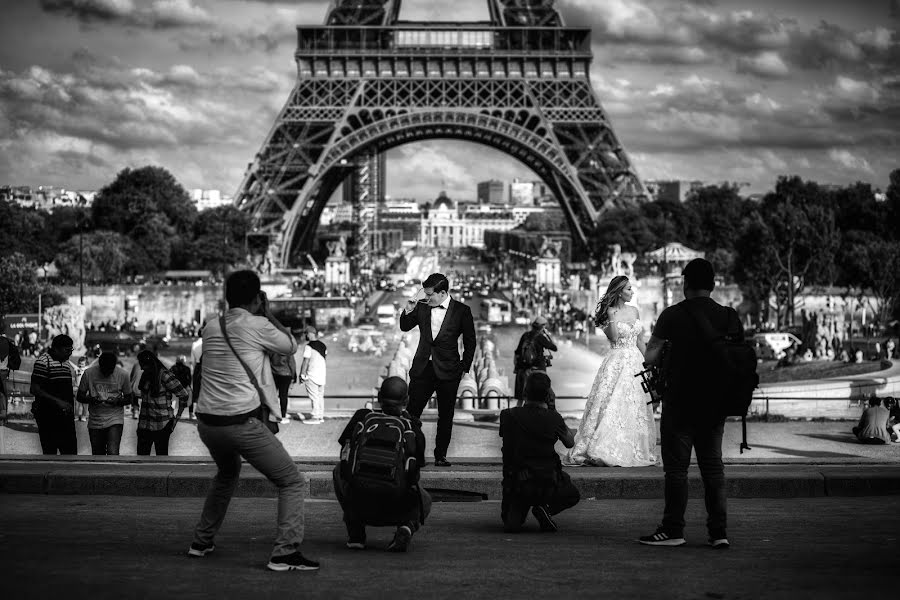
{"x": 368, "y": 82}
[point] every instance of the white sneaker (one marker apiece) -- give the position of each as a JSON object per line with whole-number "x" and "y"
{"x": 313, "y": 421}
{"x": 285, "y": 421}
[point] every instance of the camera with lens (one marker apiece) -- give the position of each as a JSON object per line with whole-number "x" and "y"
{"x": 548, "y": 358}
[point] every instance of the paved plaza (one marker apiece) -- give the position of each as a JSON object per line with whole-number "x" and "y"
{"x": 128, "y": 547}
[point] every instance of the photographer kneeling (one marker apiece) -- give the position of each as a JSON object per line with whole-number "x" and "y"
{"x": 532, "y": 472}
{"x": 377, "y": 480}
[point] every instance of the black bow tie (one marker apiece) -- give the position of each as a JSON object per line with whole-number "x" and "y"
{"x": 441, "y": 307}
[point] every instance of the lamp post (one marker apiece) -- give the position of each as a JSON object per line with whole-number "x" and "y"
{"x": 81, "y": 258}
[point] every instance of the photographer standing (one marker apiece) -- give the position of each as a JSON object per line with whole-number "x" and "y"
{"x": 692, "y": 415}
{"x": 237, "y": 387}
{"x": 530, "y": 358}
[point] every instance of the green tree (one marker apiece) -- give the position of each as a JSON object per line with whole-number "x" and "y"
{"x": 20, "y": 289}
{"x": 152, "y": 209}
{"x": 25, "y": 230}
{"x": 803, "y": 237}
{"x": 876, "y": 268}
{"x": 219, "y": 236}
{"x": 105, "y": 255}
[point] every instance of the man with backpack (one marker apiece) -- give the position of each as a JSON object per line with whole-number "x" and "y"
{"x": 377, "y": 480}
{"x": 695, "y": 403}
{"x": 530, "y": 358}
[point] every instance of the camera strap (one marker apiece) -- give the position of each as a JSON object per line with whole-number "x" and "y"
{"x": 247, "y": 369}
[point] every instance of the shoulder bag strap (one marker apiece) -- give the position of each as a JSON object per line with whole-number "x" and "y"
{"x": 240, "y": 360}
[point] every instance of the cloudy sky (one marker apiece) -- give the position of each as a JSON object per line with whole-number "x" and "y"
{"x": 696, "y": 89}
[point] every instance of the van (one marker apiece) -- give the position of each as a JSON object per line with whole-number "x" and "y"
{"x": 386, "y": 314}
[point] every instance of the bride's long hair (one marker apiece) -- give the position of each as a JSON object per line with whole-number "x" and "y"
{"x": 610, "y": 298}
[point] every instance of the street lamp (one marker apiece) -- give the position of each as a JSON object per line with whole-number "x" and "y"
{"x": 81, "y": 258}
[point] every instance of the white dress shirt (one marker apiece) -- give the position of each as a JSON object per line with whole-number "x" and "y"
{"x": 438, "y": 313}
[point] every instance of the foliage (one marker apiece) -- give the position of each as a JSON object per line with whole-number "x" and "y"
{"x": 219, "y": 236}
{"x": 25, "y": 230}
{"x": 152, "y": 209}
{"x": 105, "y": 256}
{"x": 19, "y": 288}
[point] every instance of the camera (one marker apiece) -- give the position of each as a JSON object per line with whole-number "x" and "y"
{"x": 548, "y": 358}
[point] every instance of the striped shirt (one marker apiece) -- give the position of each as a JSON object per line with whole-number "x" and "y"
{"x": 156, "y": 410}
{"x": 56, "y": 378}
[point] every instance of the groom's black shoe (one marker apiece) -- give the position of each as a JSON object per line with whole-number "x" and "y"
{"x": 442, "y": 462}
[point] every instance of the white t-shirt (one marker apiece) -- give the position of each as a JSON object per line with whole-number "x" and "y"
{"x": 94, "y": 384}
{"x": 315, "y": 371}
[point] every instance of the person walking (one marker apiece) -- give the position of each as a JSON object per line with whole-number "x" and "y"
{"x": 313, "y": 375}
{"x": 53, "y": 388}
{"x": 105, "y": 386}
{"x": 237, "y": 393}
{"x": 691, "y": 415}
{"x": 157, "y": 419}
{"x": 437, "y": 366}
{"x": 182, "y": 372}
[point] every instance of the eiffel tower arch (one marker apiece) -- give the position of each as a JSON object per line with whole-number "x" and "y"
{"x": 368, "y": 82}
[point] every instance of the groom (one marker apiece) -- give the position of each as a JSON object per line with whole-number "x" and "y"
{"x": 437, "y": 366}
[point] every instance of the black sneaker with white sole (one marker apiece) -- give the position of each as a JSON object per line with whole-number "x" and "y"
{"x": 661, "y": 538}
{"x": 542, "y": 515}
{"x": 402, "y": 538}
{"x": 292, "y": 562}
{"x": 719, "y": 543}
{"x": 199, "y": 550}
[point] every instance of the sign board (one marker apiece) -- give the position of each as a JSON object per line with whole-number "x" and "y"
{"x": 21, "y": 324}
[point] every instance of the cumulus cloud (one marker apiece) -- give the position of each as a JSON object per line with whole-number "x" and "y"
{"x": 160, "y": 14}
{"x": 765, "y": 64}
{"x": 850, "y": 160}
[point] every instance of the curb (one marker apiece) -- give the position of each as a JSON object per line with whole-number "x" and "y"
{"x": 456, "y": 483}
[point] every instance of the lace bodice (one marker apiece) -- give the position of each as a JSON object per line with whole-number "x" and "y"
{"x": 628, "y": 334}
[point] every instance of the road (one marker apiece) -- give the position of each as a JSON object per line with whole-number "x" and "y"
{"x": 133, "y": 547}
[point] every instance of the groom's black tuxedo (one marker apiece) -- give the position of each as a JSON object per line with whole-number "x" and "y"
{"x": 437, "y": 366}
{"x": 443, "y": 351}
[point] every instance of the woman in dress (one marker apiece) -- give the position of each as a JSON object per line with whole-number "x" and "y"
{"x": 617, "y": 428}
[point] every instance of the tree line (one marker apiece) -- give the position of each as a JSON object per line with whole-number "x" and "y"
{"x": 798, "y": 236}
{"x": 142, "y": 223}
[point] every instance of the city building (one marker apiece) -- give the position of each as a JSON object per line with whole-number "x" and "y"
{"x": 676, "y": 191}
{"x": 449, "y": 225}
{"x": 207, "y": 199}
{"x": 490, "y": 192}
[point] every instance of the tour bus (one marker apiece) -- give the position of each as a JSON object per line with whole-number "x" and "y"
{"x": 496, "y": 311}
{"x": 296, "y": 312}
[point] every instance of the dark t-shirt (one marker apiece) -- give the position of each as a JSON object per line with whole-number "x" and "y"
{"x": 529, "y": 434}
{"x": 56, "y": 378}
{"x": 360, "y": 416}
{"x": 691, "y": 355}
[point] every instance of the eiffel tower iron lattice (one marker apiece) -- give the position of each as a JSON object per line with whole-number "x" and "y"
{"x": 368, "y": 82}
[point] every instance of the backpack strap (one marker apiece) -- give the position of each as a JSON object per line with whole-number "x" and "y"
{"x": 250, "y": 374}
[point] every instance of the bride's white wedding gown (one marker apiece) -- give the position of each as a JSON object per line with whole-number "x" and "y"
{"x": 617, "y": 428}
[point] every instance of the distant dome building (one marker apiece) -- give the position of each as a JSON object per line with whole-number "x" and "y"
{"x": 443, "y": 202}
{"x": 452, "y": 224}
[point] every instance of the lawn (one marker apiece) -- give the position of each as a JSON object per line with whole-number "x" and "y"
{"x": 826, "y": 369}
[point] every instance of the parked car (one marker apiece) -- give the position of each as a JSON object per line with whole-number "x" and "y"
{"x": 118, "y": 342}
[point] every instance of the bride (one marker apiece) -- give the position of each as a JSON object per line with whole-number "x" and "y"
{"x": 617, "y": 428}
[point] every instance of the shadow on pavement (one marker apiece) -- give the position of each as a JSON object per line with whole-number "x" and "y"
{"x": 804, "y": 453}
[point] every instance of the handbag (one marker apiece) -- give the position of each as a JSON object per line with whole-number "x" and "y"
{"x": 262, "y": 412}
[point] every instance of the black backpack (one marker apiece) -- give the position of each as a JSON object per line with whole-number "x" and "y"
{"x": 382, "y": 454}
{"x": 528, "y": 351}
{"x": 734, "y": 372}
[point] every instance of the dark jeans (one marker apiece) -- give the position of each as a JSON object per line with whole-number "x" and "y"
{"x": 359, "y": 512}
{"x": 420, "y": 390}
{"x": 146, "y": 439}
{"x": 283, "y": 383}
{"x": 106, "y": 441}
{"x": 518, "y": 499}
{"x": 56, "y": 430}
{"x": 678, "y": 439}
